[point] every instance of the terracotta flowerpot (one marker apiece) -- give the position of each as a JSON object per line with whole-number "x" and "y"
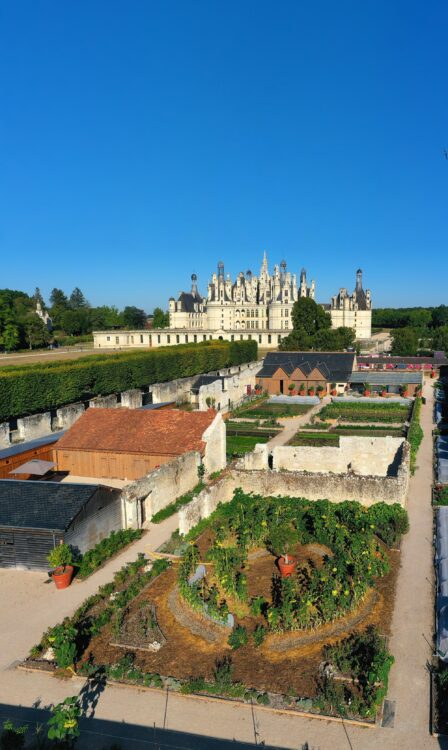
{"x": 286, "y": 568}
{"x": 384, "y": 394}
{"x": 334, "y": 392}
{"x": 405, "y": 394}
{"x": 301, "y": 393}
{"x": 62, "y": 576}
{"x": 366, "y": 393}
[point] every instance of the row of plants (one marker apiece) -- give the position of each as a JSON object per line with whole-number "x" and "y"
{"x": 238, "y": 445}
{"x": 355, "y": 535}
{"x": 352, "y": 411}
{"x": 31, "y": 389}
{"x": 415, "y": 433}
{"x": 172, "y": 508}
{"x": 302, "y": 390}
{"x": 275, "y": 409}
{"x": 440, "y": 494}
{"x": 316, "y": 439}
{"x": 70, "y": 638}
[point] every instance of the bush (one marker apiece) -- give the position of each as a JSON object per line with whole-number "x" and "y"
{"x": 415, "y": 433}
{"x": 12, "y": 736}
{"x": 60, "y": 556}
{"x": 115, "y": 542}
{"x": 238, "y": 637}
{"x": 36, "y": 388}
{"x": 173, "y": 507}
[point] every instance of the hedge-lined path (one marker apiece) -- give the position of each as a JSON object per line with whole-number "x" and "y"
{"x": 26, "y": 617}
{"x": 292, "y": 424}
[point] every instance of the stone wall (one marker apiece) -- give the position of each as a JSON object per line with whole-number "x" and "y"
{"x": 35, "y": 426}
{"x": 66, "y": 416}
{"x": 4, "y": 435}
{"x": 160, "y": 487}
{"x": 132, "y": 399}
{"x": 229, "y": 394}
{"x": 104, "y": 402}
{"x": 367, "y": 489}
{"x": 360, "y": 455}
{"x": 215, "y": 446}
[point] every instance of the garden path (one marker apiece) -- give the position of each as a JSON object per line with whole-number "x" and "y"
{"x": 32, "y": 606}
{"x": 292, "y": 424}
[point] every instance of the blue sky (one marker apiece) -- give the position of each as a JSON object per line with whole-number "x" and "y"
{"x": 144, "y": 140}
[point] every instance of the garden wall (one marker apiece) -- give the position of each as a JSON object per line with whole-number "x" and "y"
{"x": 355, "y": 454}
{"x": 229, "y": 394}
{"x": 367, "y": 489}
{"x": 159, "y": 488}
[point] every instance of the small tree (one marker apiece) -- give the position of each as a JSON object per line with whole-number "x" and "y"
{"x": 282, "y": 540}
{"x": 60, "y": 556}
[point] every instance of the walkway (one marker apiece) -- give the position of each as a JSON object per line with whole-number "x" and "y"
{"x": 32, "y": 605}
{"x": 292, "y": 424}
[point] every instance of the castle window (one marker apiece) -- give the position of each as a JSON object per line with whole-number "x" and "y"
{"x": 168, "y": 339}
{"x": 186, "y": 338}
{"x": 158, "y": 339}
{"x": 259, "y": 338}
{"x": 141, "y": 338}
{"x": 177, "y": 339}
{"x": 117, "y": 339}
{"x": 107, "y": 338}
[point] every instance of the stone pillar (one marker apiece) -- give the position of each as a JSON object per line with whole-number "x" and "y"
{"x": 35, "y": 426}
{"x": 132, "y": 399}
{"x": 104, "y": 402}
{"x": 66, "y": 416}
{"x": 5, "y": 441}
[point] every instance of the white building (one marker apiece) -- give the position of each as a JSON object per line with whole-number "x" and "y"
{"x": 353, "y": 310}
{"x": 250, "y": 302}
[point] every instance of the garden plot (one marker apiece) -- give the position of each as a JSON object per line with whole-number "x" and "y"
{"x": 243, "y": 436}
{"x": 359, "y": 412}
{"x": 289, "y": 639}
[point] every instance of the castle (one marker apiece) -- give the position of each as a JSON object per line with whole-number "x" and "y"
{"x": 251, "y": 302}
{"x": 251, "y": 307}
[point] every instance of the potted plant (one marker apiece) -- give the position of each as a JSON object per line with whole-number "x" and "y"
{"x": 283, "y": 539}
{"x": 384, "y": 392}
{"x": 433, "y": 374}
{"x": 405, "y": 390}
{"x": 320, "y": 391}
{"x": 302, "y": 389}
{"x": 367, "y": 390}
{"x": 311, "y": 390}
{"x": 258, "y": 388}
{"x": 291, "y": 389}
{"x": 333, "y": 390}
{"x": 61, "y": 561}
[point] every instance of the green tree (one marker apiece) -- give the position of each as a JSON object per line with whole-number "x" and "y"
{"x": 58, "y": 299}
{"x": 333, "y": 339}
{"x": 160, "y": 319}
{"x": 134, "y": 317}
{"x": 104, "y": 317}
{"x": 37, "y": 297}
{"x": 439, "y": 316}
{"x": 10, "y": 337}
{"x": 36, "y": 332}
{"x": 405, "y": 342}
{"x": 440, "y": 339}
{"x": 77, "y": 299}
{"x": 297, "y": 341}
{"x": 76, "y": 322}
{"x": 309, "y": 316}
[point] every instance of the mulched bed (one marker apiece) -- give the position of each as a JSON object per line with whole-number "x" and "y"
{"x": 188, "y": 653}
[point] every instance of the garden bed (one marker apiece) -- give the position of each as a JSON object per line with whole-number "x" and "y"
{"x": 347, "y": 591}
{"x": 240, "y": 444}
{"x": 365, "y": 412}
{"x": 266, "y": 410}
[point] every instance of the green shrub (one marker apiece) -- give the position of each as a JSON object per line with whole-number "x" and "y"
{"x": 36, "y": 388}
{"x": 60, "y": 556}
{"x": 105, "y": 549}
{"x": 238, "y": 637}
{"x": 415, "y": 433}
{"x": 259, "y": 635}
{"x": 12, "y": 736}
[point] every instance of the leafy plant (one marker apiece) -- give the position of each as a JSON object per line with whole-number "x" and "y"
{"x": 12, "y": 736}
{"x": 238, "y": 637}
{"x": 95, "y": 557}
{"x": 63, "y": 724}
{"x": 282, "y": 539}
{"x": 259, "y": 635}
{"x": 63, "y": 640}
{"x": 60, "y": 556}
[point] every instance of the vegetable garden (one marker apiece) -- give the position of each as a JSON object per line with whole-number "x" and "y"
{"x": 220, "y": 619}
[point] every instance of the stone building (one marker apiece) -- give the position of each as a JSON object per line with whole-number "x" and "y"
{"x": 250, "y": 302}
{"x": 353, "y": 310}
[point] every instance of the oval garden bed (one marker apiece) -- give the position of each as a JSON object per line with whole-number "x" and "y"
{"x": 341, "y": 592}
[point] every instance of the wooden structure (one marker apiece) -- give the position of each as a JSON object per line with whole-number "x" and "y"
{"x": 16, "y": 455}
{"x": 129, "y": 443}
{"x": 307, "y": 370}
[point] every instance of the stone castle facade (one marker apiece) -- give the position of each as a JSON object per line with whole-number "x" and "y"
{"x": 353, "y": 310}
{"x": 262, "y": 302}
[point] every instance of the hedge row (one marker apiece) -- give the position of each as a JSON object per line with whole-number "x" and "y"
{"x": 35, "y": 389}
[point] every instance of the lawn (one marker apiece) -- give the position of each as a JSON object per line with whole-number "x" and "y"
{"x": 238, "y": 445}
{"x": 158, "y": 627}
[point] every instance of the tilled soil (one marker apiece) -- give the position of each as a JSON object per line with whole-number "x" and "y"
{"x": 187, "y": 653}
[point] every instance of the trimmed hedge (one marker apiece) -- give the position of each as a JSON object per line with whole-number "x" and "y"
{"x": 28, "y": 390}
{"x": 415, "y": 433}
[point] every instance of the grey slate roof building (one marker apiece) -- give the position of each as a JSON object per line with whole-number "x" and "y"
{"x": 35, "y": 516}
{"x": 334, "y": 366}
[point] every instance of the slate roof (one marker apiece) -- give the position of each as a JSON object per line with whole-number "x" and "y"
{"x": 390, "y": 377}
{"x": 336, "y": 366}
{"x": 15, "y": 450}
{"x": 205, "y": 380}
{"x": 379, "y": 360}
{"x": 154, "y": 432}
{"x": 41, "y": 505}
{"x": 189, "y": 300}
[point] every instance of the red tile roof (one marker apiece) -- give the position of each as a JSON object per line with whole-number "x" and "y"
{"x": 159, "y": 432}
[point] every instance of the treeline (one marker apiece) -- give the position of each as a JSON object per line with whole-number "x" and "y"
{"x": 312, "y": 330}
{"x": 35, "y": 388}
{"x": 71, "y": 318}
{"x": 415, "y": 317}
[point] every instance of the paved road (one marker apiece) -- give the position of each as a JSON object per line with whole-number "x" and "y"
{"x": 130, "y": 713}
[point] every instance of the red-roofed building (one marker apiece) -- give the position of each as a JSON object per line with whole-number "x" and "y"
{"x": 129, "y": 443}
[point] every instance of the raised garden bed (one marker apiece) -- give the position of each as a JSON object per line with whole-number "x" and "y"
{"x": 268, "y": 409}
{"x": 365, "y": 412}
{"x": 277, "y": 652}
{"x": 316, "y": 439}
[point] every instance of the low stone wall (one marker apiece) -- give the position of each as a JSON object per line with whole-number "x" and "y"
{"x": 360, "y": 455}
{"x": 367, "y": 489}
{"x": 4, "y": 435}
{"x": 66, "y": 416}
{"x": 229, "y": 394}
{"x": 104, "y": 402}
{"x": 132, "y": 399}
{"x": 35, "y": 426}
{"x": 160, "y": 487}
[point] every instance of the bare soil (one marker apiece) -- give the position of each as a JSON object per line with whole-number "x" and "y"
{"x": 187, "y": 653}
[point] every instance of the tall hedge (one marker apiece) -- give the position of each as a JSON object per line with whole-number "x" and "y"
{"x": 28, "y": 390}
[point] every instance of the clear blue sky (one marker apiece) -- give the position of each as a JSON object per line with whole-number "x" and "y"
{"x": 143, "y": 140}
